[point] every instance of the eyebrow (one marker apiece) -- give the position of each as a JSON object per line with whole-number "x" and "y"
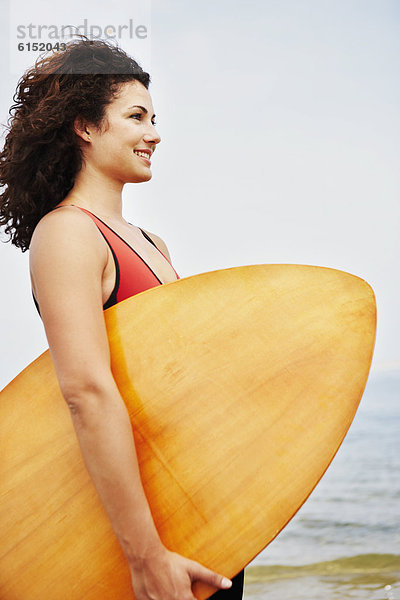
{"x": 142, "y": 108}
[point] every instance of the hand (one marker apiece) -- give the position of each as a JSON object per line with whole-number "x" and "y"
{"x": 169, "y": 576}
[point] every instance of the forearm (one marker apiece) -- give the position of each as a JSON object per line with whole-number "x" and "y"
{"x": 105, "y": 437}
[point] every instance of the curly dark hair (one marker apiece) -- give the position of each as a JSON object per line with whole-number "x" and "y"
{"x": 41, "y": 155}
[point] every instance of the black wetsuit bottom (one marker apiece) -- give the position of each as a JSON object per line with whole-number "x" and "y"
{"x": 234, "y": 593}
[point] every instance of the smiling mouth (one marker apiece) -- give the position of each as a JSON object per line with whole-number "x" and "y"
{"x": 143, "y": 154}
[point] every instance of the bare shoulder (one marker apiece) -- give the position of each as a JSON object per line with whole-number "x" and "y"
{"x": 161, "y": 245}
{"x": 66, "y": 229}
{"x": 65, "y": 242}
{"x": 61, "y": 223}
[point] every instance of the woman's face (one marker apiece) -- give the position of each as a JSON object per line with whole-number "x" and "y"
{"x": 127, "y": 138}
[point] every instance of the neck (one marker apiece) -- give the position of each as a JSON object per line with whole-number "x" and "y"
{"x": 97, "y": 193}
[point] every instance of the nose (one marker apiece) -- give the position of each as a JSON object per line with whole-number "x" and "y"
{"x": 152, "y": 135}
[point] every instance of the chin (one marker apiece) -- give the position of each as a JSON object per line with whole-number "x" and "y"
{"x": 142, "y": 178}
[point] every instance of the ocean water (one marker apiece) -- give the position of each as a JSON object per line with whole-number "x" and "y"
{"x": 345, "y": 540}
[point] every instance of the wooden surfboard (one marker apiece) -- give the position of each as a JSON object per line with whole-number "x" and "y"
{"x": 240, "y": 384}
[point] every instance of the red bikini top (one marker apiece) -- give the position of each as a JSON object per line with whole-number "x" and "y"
{"x": 133, "y": 274}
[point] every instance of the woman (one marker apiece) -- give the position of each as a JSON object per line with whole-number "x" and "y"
{"x": 83, "y": 126}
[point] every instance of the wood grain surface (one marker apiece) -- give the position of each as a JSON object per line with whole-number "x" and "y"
{"x": 241, "y": 385}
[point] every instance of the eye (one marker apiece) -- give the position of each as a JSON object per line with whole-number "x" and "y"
{"x": 139, "y": 116}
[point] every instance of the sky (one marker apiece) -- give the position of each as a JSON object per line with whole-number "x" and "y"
{"x": 280, "y": 129}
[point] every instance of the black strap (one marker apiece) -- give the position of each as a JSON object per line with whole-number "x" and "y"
{"x": 148, "y": 238}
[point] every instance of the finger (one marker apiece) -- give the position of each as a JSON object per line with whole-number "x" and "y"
{"x": 199, "y": 573}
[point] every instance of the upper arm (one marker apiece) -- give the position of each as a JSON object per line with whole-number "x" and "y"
{"x": 67, "y": 260}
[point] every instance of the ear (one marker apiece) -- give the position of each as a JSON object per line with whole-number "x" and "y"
{"x": 82, "y": 129}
